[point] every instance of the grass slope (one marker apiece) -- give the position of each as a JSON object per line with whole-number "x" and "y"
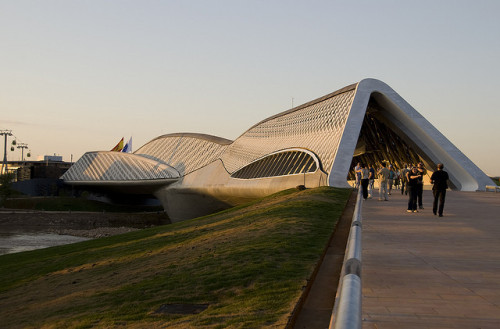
{"x": 248, "y": 264}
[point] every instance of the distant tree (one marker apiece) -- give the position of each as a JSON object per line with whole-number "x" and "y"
{"x": 5, "y": 187}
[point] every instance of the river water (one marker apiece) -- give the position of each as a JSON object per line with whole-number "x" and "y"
{"x": 13, "y": 242}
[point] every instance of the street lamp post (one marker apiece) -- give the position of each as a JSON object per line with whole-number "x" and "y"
{"x": 22, "y": 146}
{"x": 5, "y": 133}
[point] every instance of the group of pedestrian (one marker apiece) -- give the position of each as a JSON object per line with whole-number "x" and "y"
{"x": 439, "y": 181}
{"x": 365, "y": 178}
{"x": 415, "y": 186}
{"x": 411, "y": 178}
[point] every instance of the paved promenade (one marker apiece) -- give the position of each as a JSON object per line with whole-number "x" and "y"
{"x": 423, "y": 271}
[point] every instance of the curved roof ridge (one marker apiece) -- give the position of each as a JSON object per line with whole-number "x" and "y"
{"x": 209, "y": 138}
{"x": 317, "y": 100}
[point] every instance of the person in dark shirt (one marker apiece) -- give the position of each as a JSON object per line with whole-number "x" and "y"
{"x": 365, "y": 174}
{"x": 439, "y": 179}
{"x": 412, "y": 177}
{"x": 420, "y": 186}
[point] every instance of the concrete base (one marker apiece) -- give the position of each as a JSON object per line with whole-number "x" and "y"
{"x": 212, "y": 189}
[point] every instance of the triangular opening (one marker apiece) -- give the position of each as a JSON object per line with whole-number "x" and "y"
{"x": 383, "y": 140}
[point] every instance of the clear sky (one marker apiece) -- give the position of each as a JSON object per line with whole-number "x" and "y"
{"x": 76, "y": 76}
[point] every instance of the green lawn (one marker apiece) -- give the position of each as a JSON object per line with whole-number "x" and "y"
{"x": 247, "y": 266}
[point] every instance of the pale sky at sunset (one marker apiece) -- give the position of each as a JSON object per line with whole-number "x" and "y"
{"x": 76, "y": 76}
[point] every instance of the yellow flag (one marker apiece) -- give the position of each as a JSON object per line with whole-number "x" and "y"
{"x": 118, "y": 147}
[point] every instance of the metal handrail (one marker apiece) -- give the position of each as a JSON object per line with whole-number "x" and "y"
{"x": 346, "y": 312}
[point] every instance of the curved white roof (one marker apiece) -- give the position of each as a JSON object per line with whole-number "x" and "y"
{"x": 116, "y": 166}
{"x": 329, "y": 127}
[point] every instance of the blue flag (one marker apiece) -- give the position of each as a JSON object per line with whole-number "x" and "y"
{"x": 128, "y": 147}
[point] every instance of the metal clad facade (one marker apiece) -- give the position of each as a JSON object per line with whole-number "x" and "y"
{"x": 184, "y": 153}
{"x": 317, "y": 127}
{"x": 116, "y": 166}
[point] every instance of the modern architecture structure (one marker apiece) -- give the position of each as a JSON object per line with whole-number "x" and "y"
{"x": 314, "y": 144}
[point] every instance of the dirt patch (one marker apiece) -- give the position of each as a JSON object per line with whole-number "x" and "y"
{"x": 181, "y": 308}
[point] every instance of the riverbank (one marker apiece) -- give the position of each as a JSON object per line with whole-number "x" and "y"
{"x": 84, "y": 224}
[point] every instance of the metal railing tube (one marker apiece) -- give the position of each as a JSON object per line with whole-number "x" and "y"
{"x": 346, "y": 313}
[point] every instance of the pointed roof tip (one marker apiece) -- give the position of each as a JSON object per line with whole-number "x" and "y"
{"x": 370, "y": 79}
{"x": 373, "y": 82}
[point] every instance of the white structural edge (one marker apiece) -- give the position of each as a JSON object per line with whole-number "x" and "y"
{"x": 463, "y": 172}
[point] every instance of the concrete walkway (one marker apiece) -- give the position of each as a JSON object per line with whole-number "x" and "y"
{"x": 423, "y": 271}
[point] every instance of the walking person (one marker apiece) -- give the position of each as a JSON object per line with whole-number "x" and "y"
{"x": 439, "y": 179}
{"x": 357, "y": 175}
{"x": 365, "y": 174}
{"x": 404, "y": 180}
{"x": 420, "y": 186}
{"x": 412, "y": 177}
{"x": 390, "y": 181}
{"x": 397, "y": 180}
{"x": 371, "y": 180}
{"x": 383, "y": 175}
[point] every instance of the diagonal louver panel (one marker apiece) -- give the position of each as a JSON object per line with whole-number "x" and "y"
{"x": 282, "y": 163}
{"x": 117, "y": 166}
{"x": 186, "y": 152}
